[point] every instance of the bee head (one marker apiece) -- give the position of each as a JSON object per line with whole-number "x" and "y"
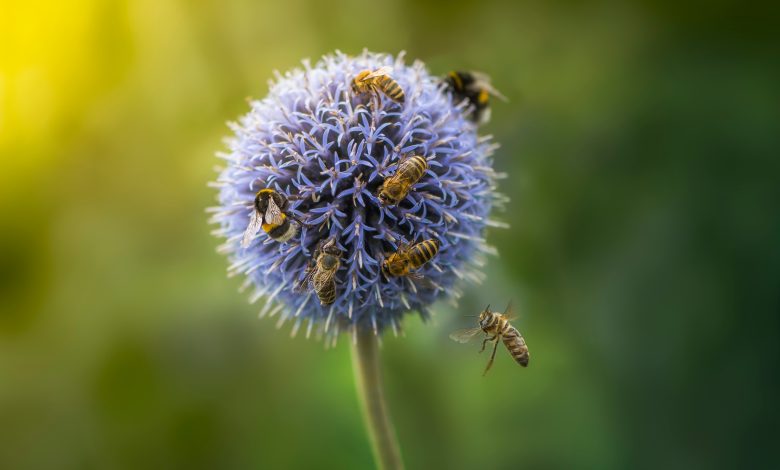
{"x": 391, "y": 265}
{"x": 265, "y": 193}
{"x": 262, "y": 197}
{"x": 386, "y": 196}
{"x": 359, "y": 78}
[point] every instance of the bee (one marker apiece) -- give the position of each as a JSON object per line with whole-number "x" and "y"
{"x": 476, "y": 88}
{"x": 395, "y": 188}
{"x": 271, "y": 214}
{"x": 321, "y": 272}
{"x": 376, "y": 81}
{"x": 497, "y": 327}
{"x": 409, "y": 257}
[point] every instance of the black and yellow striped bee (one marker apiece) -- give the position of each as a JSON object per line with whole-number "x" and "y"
{"x": 498, "y": 327}
{"x": 271, "y": 215}
{"x": 321, "y": 272}
{"x": 409, "y": 257}
{"x": 395, "y": 188}
{"x": 378, "y": 80}
{"x": 476, "y": 88}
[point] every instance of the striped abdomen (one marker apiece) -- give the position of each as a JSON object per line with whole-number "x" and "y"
{"x": 466, "y": 85}
{"x": 326, "y": 291}
{"x": 421, "y": 253}
{"x": 282, "y": 232}
{"x": 515, "y": 344}
{"x": 498, "y": 325}
{"x": 395, "y": 188}
{"x": 324, "y": 277}
{"x": 390, "y": 87}
{"x": 455, "y": 81}
{"x": 408, "y": 258}
{"x": 412, "y": 169}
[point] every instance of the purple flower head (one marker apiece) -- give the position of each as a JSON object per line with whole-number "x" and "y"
{"x": 328, "y": 150}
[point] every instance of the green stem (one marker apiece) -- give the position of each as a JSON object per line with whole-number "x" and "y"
{"x": 368, "y": 380}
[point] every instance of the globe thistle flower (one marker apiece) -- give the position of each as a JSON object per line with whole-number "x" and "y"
{"x": 328, "y": 150}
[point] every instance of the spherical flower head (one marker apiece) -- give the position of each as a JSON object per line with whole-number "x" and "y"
{"x": 329, "y": 149}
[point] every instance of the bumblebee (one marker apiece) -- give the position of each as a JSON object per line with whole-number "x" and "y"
{"x": 474, "y": 87}
{"x": 271, "y": 215}
{"x": 395, "y": 188}
{"x": 409, "y": 257}
{"x": 321, "y": 272}
{"x": 498, "y": 327}
{"x": 376, "y": 81}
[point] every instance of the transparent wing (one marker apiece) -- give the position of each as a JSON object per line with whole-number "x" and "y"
{"x": 323, "y": 278}
{"x": 255, "y": 222}
{"x": 403, "y": 247}
{"x": 509, "y": 313}
{"x": 421, "y": 280}
{"x": 496, "y": 93}
{"x": 303, "y": 284}
{"x": 484, "y": 81}
{"x": 273, "y": 215}
{"x": 385, "y": 70}
{"x": 462, "y": 336}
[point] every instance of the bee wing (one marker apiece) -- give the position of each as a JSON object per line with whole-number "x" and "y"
{"x": 324, "y": 278}
{"x": 484, "y": 82}
{"x": 496, "y": 93}
{"x": 255, "y": 222}
{"x": 273, "y": 215}
{"x": 385, "y": 70}
{"x": 303, "y": 284}
{"x": 464, "y": 335}
{"x": 421, "y": 280}
{"x": 509, "y": 313}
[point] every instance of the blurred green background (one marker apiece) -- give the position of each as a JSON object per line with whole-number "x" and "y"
{"x": 643, "y": 255}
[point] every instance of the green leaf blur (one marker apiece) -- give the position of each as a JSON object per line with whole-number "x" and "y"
{"x": 642, "y": 255}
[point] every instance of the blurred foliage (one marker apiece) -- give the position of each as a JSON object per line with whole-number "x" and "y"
{"x": 639, "y": 139}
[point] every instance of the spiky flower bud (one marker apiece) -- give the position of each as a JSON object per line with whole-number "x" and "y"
{"x": 329, "y": 150}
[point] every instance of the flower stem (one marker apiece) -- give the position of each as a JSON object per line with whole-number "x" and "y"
{"x": 368, "y": 380}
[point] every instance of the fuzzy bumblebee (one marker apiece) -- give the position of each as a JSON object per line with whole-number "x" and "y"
{"x": 328, "y": 151}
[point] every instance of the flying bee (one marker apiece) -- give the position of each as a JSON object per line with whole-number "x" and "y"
{"x": 376, "y": 81}
{"x": 497, "y": 327}
{"x": 409, "y": 257}
{"x": 395, "y": 188}
{"x": 474, "y": 87}
{"x": 321, "y": 272}
{"x": 272, "y": 216}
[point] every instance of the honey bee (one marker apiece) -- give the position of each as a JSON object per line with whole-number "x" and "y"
{"x": 476, "y": 88}
{"x": 271, "y": 215}
{"x": 395, "y": 188}
{"x": 497, "y": 327}
{"x": 409, "y": 257}
{"x": 321, "y": 273}
{"x": 376, "y": 81}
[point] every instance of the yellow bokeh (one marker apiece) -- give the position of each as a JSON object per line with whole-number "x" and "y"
{"x": 45, "y": 67}
{"x": 636, "y": 140}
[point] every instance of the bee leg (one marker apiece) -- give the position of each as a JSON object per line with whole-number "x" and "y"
{"x": 485, "y": 341}
{"x": 375, "y": 102}
{"x": 492, "y": 357}
{"x": 299, "y": 221}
